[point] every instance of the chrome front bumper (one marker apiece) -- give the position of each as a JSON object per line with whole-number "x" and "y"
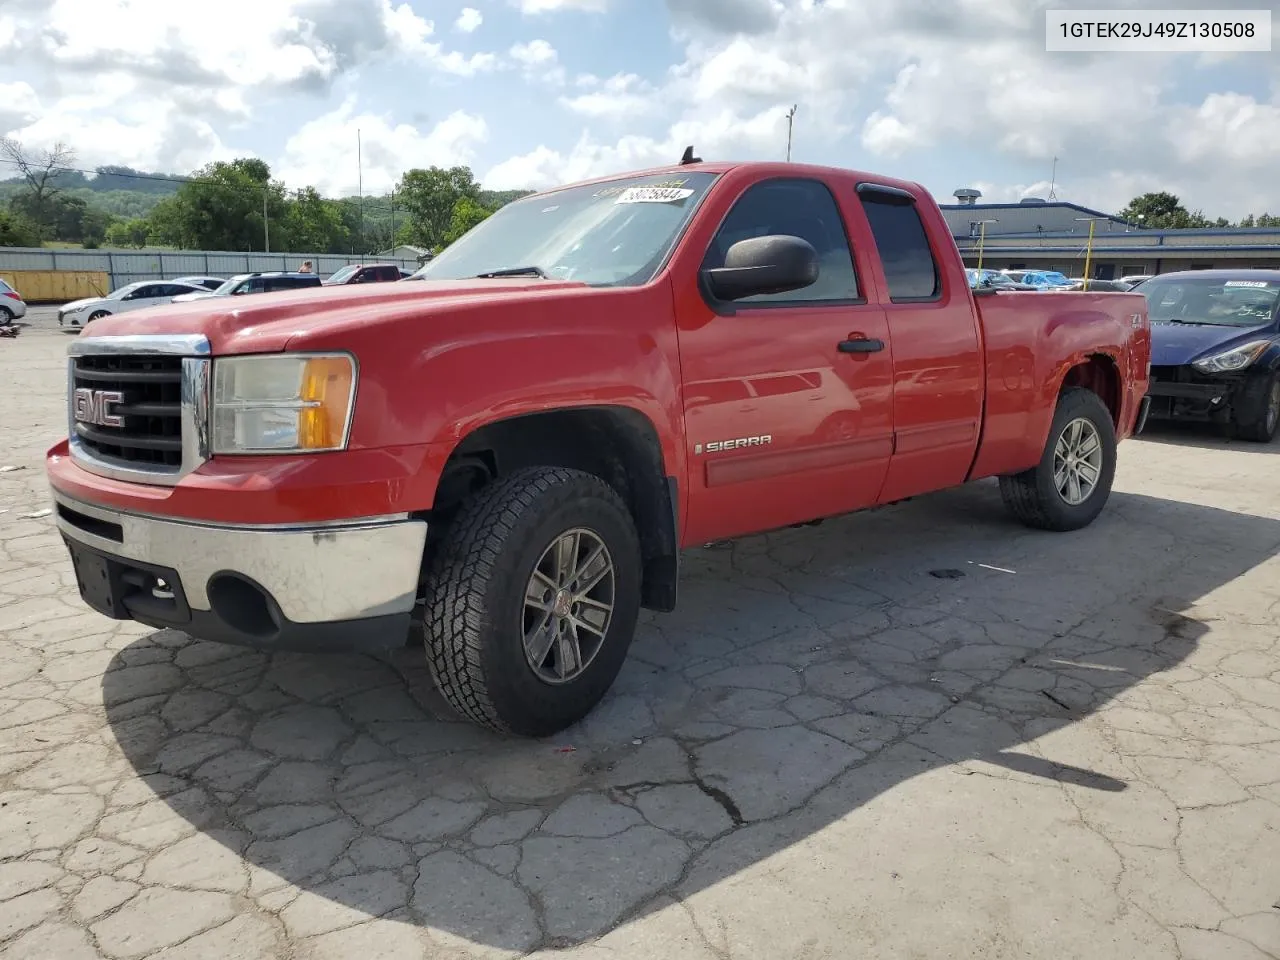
{"x": 339, "y": 585}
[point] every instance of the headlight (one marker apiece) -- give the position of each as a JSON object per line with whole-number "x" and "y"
{"x": 284, "y": 403}
{"x": 1234, "y": 359}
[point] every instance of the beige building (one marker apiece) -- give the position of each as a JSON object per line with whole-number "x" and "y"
{"x": 1053, "y": 235}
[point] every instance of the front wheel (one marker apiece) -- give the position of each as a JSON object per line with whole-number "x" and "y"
{"x": 532, "y": 598}
{"x": 1070, "y": 485}
{"x": 1258, "y": 409}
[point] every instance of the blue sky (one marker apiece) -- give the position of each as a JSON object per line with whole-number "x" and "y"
{"x": 535, "y": 92}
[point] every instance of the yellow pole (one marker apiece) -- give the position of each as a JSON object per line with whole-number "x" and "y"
{"x": 1088, "y": 256}
{"x": 982, "y": 234}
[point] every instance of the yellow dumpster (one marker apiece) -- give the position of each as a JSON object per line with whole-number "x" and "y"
{"x": 57, "y": 286}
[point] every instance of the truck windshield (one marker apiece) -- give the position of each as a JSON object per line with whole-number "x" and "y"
{"x": 1216, "y": 301}
{"x": 614, "y": 233}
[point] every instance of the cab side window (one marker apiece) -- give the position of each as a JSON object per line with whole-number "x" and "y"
{"x": 800, "y": 208}
{"x": 909, "y": 266}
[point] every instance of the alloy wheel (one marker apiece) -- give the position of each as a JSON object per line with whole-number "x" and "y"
{"x": 568, "y": 606}
{"x": 1077, "y": 461}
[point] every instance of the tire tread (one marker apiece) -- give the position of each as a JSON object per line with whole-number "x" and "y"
{"x": 456, "y": 619}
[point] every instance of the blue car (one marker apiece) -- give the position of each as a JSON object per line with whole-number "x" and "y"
{"x": 1045, "y": 279}
{"x": 1215, "y": 348}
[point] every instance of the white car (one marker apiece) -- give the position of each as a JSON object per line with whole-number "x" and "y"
{"x": 132, "y": 296}
{"x": 12, "y": 306}
{"x": 209, "y": 283}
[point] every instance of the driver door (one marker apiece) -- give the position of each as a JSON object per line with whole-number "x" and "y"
{"x": 783, "y": 423}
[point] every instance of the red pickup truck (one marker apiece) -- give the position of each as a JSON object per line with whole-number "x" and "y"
{"x": 504, "y": 462}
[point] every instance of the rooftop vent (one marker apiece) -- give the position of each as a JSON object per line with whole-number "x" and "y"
{"x": 1033, "y": 201}
{"x": 967, "y": 196}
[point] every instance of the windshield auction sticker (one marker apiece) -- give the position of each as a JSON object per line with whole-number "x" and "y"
{"x": 1247, "y": 283}
{"x": 654, "y": 195}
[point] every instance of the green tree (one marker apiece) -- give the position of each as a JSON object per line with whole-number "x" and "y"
{"x": 429, "y": 197}
{"x": 221, "y": 208}
{"x": 43, "y": 175}
{"x": 1261, "y": 220}
{"x": 17, "y": 231}
{"x": 129, "y": 233}
{"x": 313, "y": 224}
{"x": 466, "y": 214}
{"x": 1163, "y": 211}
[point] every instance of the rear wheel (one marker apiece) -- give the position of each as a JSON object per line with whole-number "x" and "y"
{"x": 6, "y": 316}
{"x": 532, "y": 598}
{"x": 1070, "y": 485}
{"x": 1258, "y": 409}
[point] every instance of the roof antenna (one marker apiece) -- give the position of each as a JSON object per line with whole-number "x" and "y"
{"x": 688, "y": 157}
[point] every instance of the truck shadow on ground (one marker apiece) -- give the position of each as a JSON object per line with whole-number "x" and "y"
{"x": 806, "y": 673}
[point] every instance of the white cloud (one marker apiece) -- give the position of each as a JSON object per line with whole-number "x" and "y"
{"x": 621, "y": 97}
{"x": 324, "y": 152}
{"x": 884, "y": 86}
{"x": 539, "y": 60}
{"x": 469, "y": 20}
{"x": 726, "y": 133}
{"x": 143, "y": 82}
{"x": 555, "y": 6}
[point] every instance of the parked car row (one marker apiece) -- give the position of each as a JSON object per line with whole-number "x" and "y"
{"x": 1046, "y": 280}
{"x": 148, "y": 293}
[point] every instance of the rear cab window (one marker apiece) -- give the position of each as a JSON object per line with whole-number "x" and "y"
{"x": 910, "y": 267}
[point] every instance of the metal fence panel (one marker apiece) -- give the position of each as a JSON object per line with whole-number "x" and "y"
{"x": 128, "y": 266}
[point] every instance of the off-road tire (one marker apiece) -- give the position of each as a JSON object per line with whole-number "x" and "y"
{"x": 474, "y": 599}
{"x": 1033, "y": 497}
{"x": 1255, "y": 419}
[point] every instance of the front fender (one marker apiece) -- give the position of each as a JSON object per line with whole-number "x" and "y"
{"x": 467, "y": 385}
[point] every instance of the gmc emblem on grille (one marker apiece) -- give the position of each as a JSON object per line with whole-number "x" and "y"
{"x": 93, "y": 406}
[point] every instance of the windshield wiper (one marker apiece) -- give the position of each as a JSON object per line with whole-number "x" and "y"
{"x": 532, "y": 271}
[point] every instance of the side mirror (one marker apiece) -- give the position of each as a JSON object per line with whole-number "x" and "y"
{"x": 761, "y": 265}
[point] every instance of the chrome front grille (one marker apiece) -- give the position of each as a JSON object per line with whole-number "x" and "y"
{"x": 138, "y": 406}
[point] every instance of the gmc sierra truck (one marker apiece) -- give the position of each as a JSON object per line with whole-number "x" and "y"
{"x": 504, "y": 462}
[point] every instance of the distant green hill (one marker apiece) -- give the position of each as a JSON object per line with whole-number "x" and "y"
{"x": 126, "y": 194}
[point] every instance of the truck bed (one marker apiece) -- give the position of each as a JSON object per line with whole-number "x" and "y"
{"x": 1030, "y": 340}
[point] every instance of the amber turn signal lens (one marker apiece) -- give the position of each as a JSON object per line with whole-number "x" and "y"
{"x": 326, "y": 397}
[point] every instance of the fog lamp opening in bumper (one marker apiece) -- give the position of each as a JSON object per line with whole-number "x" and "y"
{"x": 346, "y": 585}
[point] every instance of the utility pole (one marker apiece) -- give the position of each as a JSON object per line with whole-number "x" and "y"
{"x": 266, "y": 227}
{"x": 791, "y": 119}
{"x": 360, "y": 191}
{"x": 982, "y": 237}
{"x": 1088, "y": 250}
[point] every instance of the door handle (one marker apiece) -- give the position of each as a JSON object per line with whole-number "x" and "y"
{"x": 861, "y": 345}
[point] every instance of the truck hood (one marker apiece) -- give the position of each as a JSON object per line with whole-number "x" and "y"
{"x": 1173, "y": 344}
{"x": 267, "y": 322}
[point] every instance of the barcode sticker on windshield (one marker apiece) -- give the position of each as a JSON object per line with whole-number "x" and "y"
{"x": 653, "y": 195}
{"x": 1247, "y": 283}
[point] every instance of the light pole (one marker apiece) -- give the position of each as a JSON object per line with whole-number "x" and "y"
{"x": 791, "y": 119}
{"x": 1088, "y": 250}
{"x": 982, "y": 237}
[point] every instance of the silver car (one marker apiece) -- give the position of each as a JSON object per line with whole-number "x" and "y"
{"x": 12, "y": 306}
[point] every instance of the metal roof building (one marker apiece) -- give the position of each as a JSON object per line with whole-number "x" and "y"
{"x": 1053, "y": 235}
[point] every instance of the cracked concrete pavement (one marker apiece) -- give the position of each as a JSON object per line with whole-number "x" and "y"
{"x": 921, "y": 732}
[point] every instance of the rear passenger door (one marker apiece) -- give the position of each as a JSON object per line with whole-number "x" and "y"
{"x": 937, "y": 359}
{"x": 783, "y": 424}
